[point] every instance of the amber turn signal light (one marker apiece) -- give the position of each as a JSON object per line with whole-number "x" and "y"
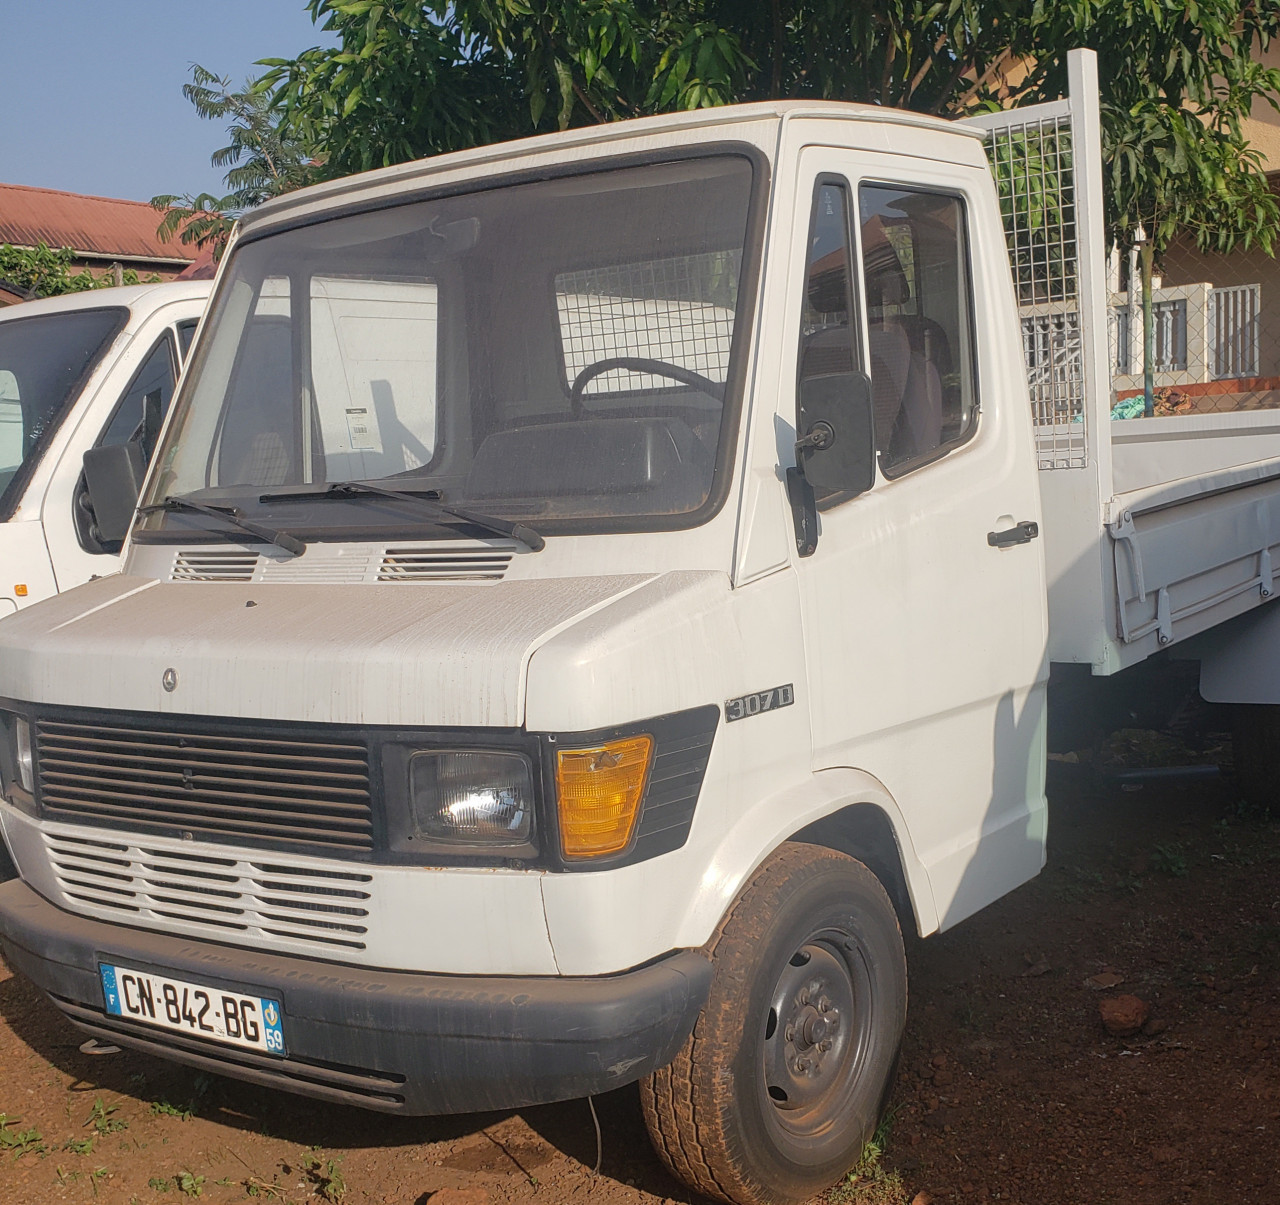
{"x": 599, "y": 792}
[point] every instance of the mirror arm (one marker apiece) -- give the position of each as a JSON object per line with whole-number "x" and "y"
{"x": 804, "y": 511}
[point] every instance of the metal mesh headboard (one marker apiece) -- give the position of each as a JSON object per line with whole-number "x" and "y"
{"x": 1032, "y": 163}
{"x": 678, "y": 310}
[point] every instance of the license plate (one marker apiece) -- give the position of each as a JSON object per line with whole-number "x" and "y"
{"x": 252, "y": 1022}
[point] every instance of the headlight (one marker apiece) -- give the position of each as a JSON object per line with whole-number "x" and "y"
{"x": 473, "y": 799}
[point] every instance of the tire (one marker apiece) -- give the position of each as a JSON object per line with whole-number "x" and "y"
{"x": 809, "y": 954}
{"x": 1255, "y": 750}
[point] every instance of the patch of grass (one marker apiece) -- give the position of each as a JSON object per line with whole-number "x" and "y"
{"x": 100, "y": 1117}
{"x": 20, "y": 1142}
{"x": 189, "y": 1184}
{"x": 162, "y": 1108}
{"x": 326, "y": 1177}
{"x": 96, "y": 1177}
{"x": 869, "y": 1183}
{"x": 1170, "y": 859}
{"x": 83, "y": 1147}
{"x": 161, "y": 1184}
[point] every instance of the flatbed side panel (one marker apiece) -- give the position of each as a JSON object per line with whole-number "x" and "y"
{"x": 1182, "y": 568}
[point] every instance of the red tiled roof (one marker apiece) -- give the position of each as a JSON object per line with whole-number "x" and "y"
{"x": 93, "y": 225}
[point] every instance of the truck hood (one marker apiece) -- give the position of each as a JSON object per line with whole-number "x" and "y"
{"x": 444, "y": 654}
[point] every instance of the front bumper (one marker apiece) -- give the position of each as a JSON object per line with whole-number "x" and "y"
{"x": 394, "y": 1041}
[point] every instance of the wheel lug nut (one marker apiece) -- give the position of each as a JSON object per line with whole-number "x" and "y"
{"x": 824, "y": 1005}
{"x": 824, "y": 1045}
{"x": 791, "y": 1033}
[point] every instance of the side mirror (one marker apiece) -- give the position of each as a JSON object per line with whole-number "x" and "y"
{"x": 113, "y": 476}
{"x": 837, "y": 447}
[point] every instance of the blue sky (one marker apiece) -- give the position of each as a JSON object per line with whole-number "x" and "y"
{"x": 91, "y": 90}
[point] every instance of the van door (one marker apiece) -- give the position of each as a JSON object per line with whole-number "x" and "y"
{"x": 924, "y": 618}
{"x": 76, "y": 552}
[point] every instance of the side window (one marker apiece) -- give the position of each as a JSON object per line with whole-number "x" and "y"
{"x": 11, "y": 425}
{"x": 186, "y": 332}
{"x": 916, "y": 274}
{"x": 157, "y": 372}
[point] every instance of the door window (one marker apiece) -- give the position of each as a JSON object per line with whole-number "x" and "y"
{"x": 156, "y": 373}
{"x": 916, "y": 276}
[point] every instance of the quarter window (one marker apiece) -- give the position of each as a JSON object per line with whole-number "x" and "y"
{"x": 916, "y": 275}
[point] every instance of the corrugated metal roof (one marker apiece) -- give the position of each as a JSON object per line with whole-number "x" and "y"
{"x": 96, "y": 226}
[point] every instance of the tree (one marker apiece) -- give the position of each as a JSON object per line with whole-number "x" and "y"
{"x": 1178, "y": 80}
{"x": 262, "y": 160}
{"x": 42, "y": 271}
{"x": 417, "y": 77}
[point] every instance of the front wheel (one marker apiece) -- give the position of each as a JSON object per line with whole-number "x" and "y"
{"x": 791, "y": 1060}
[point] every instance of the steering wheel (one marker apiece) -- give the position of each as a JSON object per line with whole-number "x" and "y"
{"x": 686, "y": 376}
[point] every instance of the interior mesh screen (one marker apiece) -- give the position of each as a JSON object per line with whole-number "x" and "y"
{"x": 679, "y": 311}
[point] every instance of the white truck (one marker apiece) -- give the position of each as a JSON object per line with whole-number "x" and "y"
{"x": 589, "y": 594}
{"x": 76, "y": 373}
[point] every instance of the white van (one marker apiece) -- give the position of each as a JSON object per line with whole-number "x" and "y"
{"x": 75, "y": 373}
{"x": 589, "y": 594}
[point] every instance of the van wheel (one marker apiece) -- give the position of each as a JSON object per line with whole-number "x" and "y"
{"x": 792, "y": 1058}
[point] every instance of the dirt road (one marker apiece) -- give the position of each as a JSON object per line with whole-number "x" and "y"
{"x": 1010, "y": 1088}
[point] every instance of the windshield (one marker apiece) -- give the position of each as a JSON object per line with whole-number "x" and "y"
{"x": 556, "y": 352}
{"x": 43, "y": 361}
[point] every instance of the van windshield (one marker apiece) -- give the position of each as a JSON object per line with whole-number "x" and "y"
{"x": 560, "y": 353}
{"x": 43, "y": 361}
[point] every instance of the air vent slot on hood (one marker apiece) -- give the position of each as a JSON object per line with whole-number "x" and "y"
{"x": 214, "y": 565}
{"x": 444, "y": 564}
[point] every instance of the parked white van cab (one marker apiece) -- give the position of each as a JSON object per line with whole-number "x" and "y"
{"x": 79, "y": 372}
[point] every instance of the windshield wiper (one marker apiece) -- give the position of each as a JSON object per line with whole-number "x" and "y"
{"x": 429, "y": 498}
{"x": 230, "y": 514}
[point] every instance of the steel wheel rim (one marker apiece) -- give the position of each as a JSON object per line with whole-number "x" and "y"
{"x": 815, "y": 1035}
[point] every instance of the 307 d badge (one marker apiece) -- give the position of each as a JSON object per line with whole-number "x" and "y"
{"x": 760, "y": 702}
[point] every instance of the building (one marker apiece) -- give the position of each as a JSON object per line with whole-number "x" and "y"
{"x": 102, "y": 232}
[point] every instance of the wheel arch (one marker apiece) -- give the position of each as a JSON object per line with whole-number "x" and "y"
{"x": 864, "y": 831}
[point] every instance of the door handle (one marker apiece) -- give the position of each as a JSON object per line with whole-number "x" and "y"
{"x": 1023, "y": 533}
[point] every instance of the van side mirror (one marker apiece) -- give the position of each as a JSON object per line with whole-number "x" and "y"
{"x": 837, "y": 446}
{"x": 113, "y": 476}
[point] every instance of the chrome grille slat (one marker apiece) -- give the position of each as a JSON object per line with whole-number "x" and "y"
{"x": 295, "y": 792}
{"x": 311, "y": 908}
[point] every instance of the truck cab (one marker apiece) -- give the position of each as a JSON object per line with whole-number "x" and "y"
{"x": 586, "y": 601}
{"x": 74, "y": 373}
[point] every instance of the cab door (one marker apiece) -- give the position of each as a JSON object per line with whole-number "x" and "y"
{"x": 923, "y": 599}
{"x": 116, "y": 417}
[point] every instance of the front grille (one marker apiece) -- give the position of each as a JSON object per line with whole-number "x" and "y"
{"x": 258, "y": 790}
{"x": 171, "y": 889}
